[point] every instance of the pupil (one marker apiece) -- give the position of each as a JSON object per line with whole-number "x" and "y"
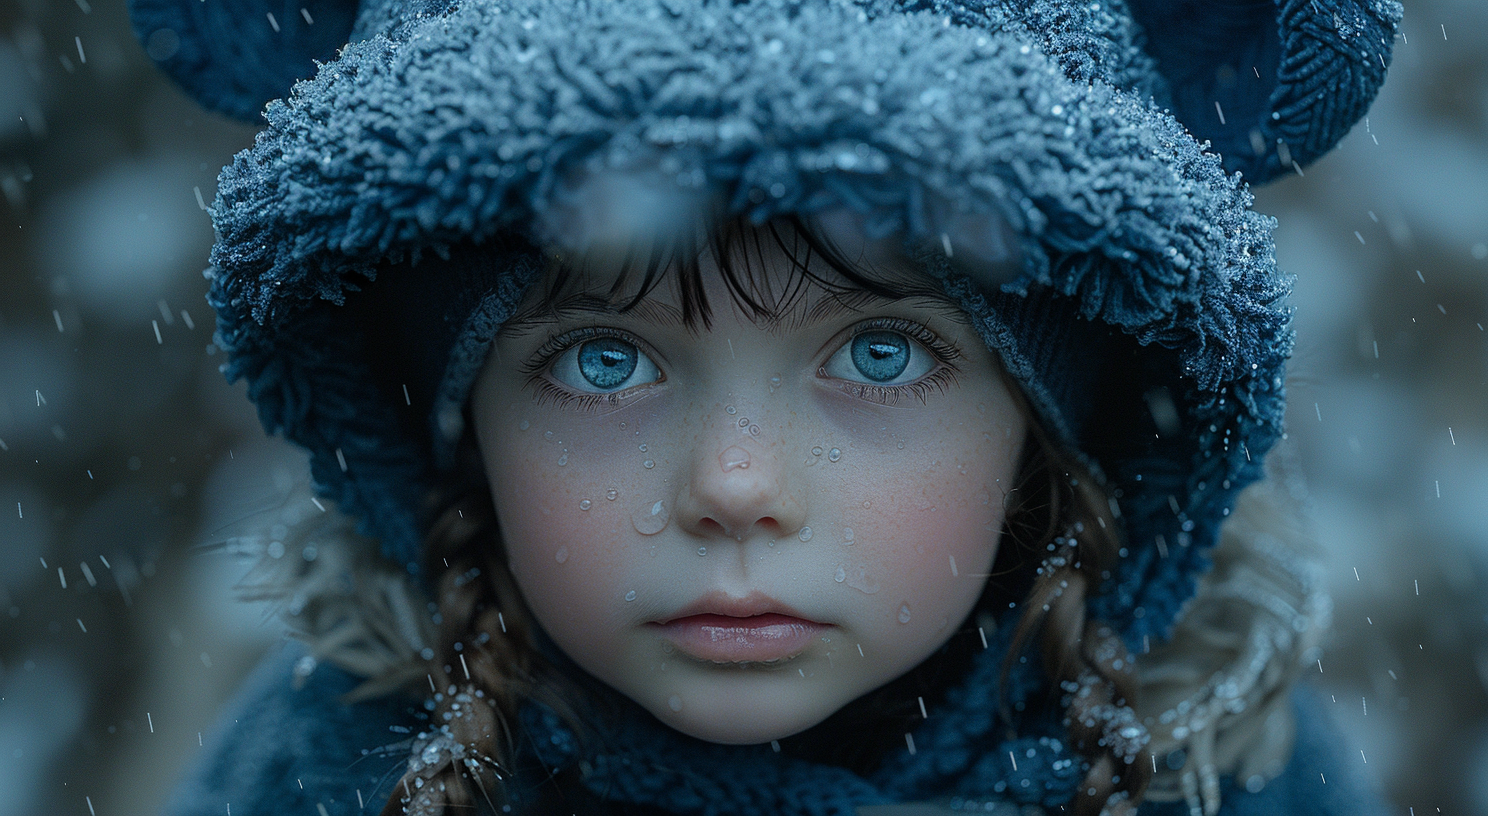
{"x": 607, "y": 362}
{"x": 880, "y": 355}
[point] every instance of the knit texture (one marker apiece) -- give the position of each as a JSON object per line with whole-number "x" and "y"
{"x": 470, "y": 125}
{"x": 287, "y": 750}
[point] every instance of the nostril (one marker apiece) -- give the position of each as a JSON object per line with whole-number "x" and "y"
{"x": 712, "y": 527}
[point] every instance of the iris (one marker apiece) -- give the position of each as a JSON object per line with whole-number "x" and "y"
{"x": 606, "y": 362}
{"x": 880, "y": 355}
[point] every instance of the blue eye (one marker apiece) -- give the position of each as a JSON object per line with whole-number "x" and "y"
{"x": 604, "y": 364}
{"x": 880, "y": 355}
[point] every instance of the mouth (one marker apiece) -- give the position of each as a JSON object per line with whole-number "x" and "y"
{"x": 755, "y": 629}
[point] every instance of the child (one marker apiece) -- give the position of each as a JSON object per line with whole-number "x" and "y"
{"x": 810, "y": 407}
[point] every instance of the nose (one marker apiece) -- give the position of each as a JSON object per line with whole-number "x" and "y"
{"x": 738, "y": 488}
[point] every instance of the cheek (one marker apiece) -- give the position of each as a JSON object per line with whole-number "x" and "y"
{"x": 564, "y": 533}
{"x": 932, "y": 520}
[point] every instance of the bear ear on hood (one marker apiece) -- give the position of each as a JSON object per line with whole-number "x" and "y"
{"x": 234, "y": 56}
{"x": 1270, "y": 84}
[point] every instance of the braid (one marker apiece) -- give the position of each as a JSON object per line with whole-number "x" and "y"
{"x": 483, "y": 667}
{"x": 1084, "y": 659}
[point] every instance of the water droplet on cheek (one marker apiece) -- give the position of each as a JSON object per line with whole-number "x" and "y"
{"x": 702, "y": 550}
{"x": 648, "y": 464}
{"x": 547, "y": 434}
{"x": 563, "y": 460}
{"x": 643, "y": 447}
{"x": 584, "y": 505}
{"x": 561, "y": 556}
{"x": 817, "y": 451}
{"x": 904, "y": 613}
{"x": 652, "y": 519}
{"x": 674, "y": 703}
{"x": 840, "y": 576}
{"x": 729, "y": 409}
{"x": 523, "y": 425}
{"x": 833, "y": 455}
{"x": 630, "y": 596}
{"x": 612, "y": 494}
{"x": 805, "y": 533}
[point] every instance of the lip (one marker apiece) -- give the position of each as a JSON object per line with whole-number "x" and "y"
{"x": 755, "y": 629}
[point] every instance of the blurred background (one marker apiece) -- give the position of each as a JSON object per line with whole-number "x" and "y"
{"x": 123, "y": 451}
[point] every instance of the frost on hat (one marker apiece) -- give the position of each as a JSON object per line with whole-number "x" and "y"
{"x": 447, "y": 126}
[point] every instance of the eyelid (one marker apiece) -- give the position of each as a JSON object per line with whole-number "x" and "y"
{"x": 539, "y": 367}
{"x": 938, "y": 378}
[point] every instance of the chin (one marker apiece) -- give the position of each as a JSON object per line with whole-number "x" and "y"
{"x": 733, "y": 716}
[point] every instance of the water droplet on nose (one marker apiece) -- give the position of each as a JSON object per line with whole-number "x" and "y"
{"x": 816, "y": 451}
{"x": 561, "y": 556}
{"x": 648, "y": 464}
{"x": 674, "y": 703}
{"x": 730, "y": 409}
{"x": 612, "y": 494}
{"x": 702, "y": 550}
{"x": 904, "y": 613}
{"x": 744, "y": 422}
{"x": 733, "y": 457}
{"x": 523, "y": 425}
{"x": 630, "y": 596}
{"x": 584, "y": 505}
{"x": 840, "y": 576}
{"x": 805, "y": 533}
{"x": 834, "y": 454}
{"x": 650, "y": 520}
{"x": 754, "y": 430}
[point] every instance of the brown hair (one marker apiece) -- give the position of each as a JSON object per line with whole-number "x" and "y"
{"x": 1058, "y": 543}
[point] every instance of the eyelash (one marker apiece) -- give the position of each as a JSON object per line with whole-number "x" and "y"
{"x": 940, "y": 378}
{"x": 551, "y": 393}
{"x": 943, "y": 376}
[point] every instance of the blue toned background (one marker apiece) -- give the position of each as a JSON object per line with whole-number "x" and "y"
{"x": 124, "y": 454}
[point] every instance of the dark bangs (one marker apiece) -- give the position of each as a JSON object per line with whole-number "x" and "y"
{"x": 741, "y": 249}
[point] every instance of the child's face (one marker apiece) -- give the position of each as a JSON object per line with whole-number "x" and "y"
{"x": 746, "y": 527}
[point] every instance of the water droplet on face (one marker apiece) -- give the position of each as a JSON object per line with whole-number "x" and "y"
{"x": 816, "y": 451}
{"x": 847, "y": 534}
{"x": 630, "y": 596}
{"x": 584, "y": 505}
{"x": 612, "y": 494}
{"x": 733, "y": 457}
{"x": 775, "y": 381}
{"x": 643, "y": 447}
{"x": 650, "y": 520}
{"x": 702, "y": 550}
{"x": 563, "y": 460}
{"x": 863, "y": 582}
{"x": 900, "y": 446}
{"x": 744, "y": 422}
{"x": 547, "y": 434}
{"x": 840, "y": 576}
{"x": 674, "y": 703}
{"x": 904, "y": 613}
{"x": 730, "y": 409}
{"x": 523, "y": 425}
{"x": 834, "y": 454}
{"x": 805, "y": 534}
{"x": 562, "y": 555}
{"x": 754, "y": 430}
{"x": 648, "y": 464}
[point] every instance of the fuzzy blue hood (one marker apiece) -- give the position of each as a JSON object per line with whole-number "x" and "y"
{"x": 459, "y": 125}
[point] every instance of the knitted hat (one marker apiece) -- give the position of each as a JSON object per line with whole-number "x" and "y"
{"x": 450, "y": 124}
